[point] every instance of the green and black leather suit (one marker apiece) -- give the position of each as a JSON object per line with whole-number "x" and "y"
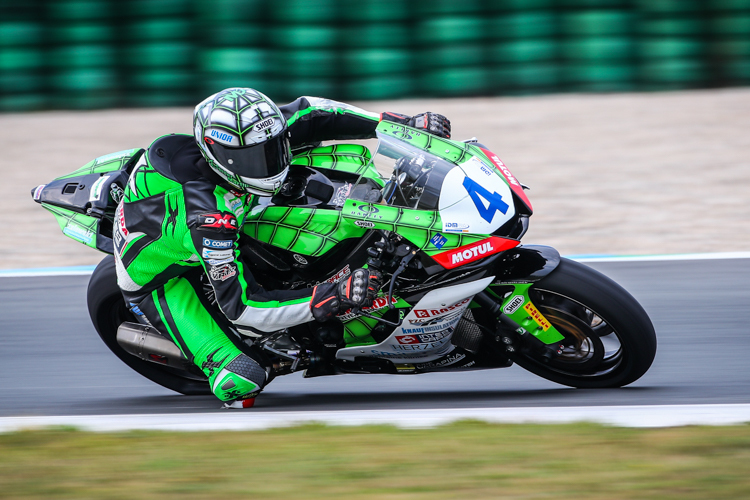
{"x": 178, "y": 220}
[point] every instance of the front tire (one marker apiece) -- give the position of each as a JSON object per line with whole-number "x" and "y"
{"x": 107, "y": 310}
{"x": 609, "y": 339}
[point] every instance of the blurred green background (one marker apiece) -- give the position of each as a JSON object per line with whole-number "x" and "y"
{"x": 84, "y": 54}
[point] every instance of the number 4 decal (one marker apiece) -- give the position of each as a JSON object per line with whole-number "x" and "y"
{"x": 495, "y": 201}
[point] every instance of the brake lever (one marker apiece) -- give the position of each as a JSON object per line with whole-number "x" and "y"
{"x": 401, "y": 267}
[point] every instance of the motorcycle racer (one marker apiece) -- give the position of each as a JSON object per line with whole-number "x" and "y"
{"x": 182, "y": 212}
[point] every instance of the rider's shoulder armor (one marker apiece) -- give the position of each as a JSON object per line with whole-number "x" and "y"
{"x": 164, "y": 149}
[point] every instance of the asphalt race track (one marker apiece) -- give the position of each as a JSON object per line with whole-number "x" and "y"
{"x": 53, "y": 363}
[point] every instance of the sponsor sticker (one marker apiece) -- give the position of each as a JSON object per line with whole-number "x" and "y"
{"x": 428, "y": 313}
{"x": 364, "y": 223}
{"x": 223, "y": 272}
{"x": 116, "y": 192}
{"x": 537, "y": 316}
{"x": 217, "y": 254}
{"x": 300, "y": 259}
{"x": 512, "y": 306}
{"x": 419, "y": 346}
{"x": 342, "y": 193}
{"x": 438, "y": 240}
{"x": 339, "y": 275}
{"x": 470, "y": 253}
{"x": 455, "y": 227}
{"x": 222, "y": 222}
{"x": 234, "y": 204}
{"x": 423, "y": 338}
{"x": 378, "y": 303}
{"x": 267, "y": 123}
{"x": 96, "y": 189}
{"x": 79, "y": 233}
{"x": 38, "y": 191}
{"x": 454, "y": 316}
{"x": 446, "y": 361}
{"x": 222, "y": 136}
{"x": 209, "y": 243}
{"x": 214, "y": 262}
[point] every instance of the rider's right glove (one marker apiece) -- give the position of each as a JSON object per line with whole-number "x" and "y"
{"x": 431, "y": 122}
{"x": 358, "y": 290}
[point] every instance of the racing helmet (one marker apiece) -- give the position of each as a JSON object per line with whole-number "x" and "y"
{"x": 243, "y": 137}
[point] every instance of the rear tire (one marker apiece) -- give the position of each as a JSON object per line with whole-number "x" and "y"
{"x": 609, "y": 339}
{"x": 107, "y": 310}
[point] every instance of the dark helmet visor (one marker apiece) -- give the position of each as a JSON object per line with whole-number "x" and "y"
{"x": 257, "y": 161}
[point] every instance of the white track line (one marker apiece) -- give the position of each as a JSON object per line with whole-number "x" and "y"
{"x": 87, "y": 270}
{"x": 623, "y": 416}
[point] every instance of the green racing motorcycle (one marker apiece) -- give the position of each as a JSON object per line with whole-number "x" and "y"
{"x": 443, "y": 225}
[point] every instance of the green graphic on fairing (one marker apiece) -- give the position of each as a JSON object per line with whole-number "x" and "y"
{"x": 358, "y": 330}
{"x": 519, "y": 307}
{"x": 352, "y": 158}
{"x": 417, "y": 226}
{"x": 82, "y": 228}
{"x": 103, "y": 164}
{"x": 312, "y": 231}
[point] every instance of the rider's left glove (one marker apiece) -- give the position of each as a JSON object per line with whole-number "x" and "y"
{"x": 433, "y": 123}
{"x": 358, "y": 290}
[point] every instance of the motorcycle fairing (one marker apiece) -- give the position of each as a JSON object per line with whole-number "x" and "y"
{"x": 425, "y": 334}
{"x": 313, "y": 230}
{"x": 83, "y": 201}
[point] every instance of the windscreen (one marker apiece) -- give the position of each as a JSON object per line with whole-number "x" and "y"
{"x": 413, "y": 176}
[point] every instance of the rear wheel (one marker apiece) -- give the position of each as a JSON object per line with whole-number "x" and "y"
{"x": 609, "y": 339}
{"x": 107, "y": 310}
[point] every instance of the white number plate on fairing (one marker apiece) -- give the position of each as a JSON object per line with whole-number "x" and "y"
{"x": 425, "y": 334}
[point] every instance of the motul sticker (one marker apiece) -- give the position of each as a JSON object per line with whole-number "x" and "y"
{"x": 473, "y": 252}
{"x": 222, "y": 222}
{"x": 537, "y": 316}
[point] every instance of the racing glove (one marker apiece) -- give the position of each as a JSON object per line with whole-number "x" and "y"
{"x": 429, "y": 122}
{"x": 358, "y": 290}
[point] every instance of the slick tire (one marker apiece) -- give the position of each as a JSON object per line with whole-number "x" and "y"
{"x": 107, "y": 310}
{"x": 609, "y": 339}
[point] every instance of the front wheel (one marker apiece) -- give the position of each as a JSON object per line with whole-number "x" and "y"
{"x": 609, "y": 339}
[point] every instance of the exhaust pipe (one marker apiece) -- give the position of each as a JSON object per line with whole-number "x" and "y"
{"x": 147, "y": 344}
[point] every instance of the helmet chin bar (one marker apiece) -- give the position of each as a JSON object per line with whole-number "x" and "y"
{"x": 261, "y": 187}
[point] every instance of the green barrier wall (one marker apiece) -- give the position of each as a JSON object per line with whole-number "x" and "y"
{"x": 84, "y": 54}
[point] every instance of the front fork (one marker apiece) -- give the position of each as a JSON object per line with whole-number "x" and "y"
{"x": 521, "y": 326}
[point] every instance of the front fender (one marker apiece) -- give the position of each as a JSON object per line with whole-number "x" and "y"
{"x": 525, "y": 264}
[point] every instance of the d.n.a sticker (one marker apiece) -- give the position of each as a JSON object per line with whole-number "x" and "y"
{"x": 223, "y": 222}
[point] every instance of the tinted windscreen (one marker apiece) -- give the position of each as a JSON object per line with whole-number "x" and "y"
{"x": 416, "y": 175}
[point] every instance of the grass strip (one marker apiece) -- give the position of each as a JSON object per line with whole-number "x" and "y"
{"x": 461, "y": 460}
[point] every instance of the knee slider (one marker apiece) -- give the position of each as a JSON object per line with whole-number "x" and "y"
{"x": 241, "y": 378}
